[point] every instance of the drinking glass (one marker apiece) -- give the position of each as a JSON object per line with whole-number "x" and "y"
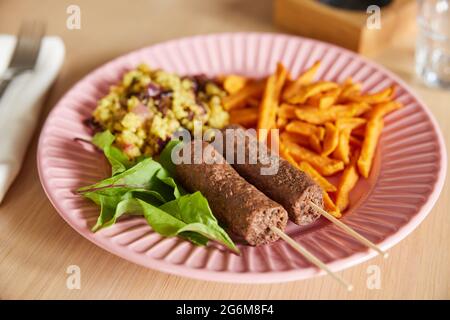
{"x": 433, "y": 42}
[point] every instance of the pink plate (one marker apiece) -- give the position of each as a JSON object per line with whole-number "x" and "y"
{"x": 406, "y": 180}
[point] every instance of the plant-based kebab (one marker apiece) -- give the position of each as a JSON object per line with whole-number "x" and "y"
{"x": 235, "y": 202}
{"x": 287, "y": 185}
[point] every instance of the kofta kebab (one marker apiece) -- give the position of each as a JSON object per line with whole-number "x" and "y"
{"x": 326, "y": 128}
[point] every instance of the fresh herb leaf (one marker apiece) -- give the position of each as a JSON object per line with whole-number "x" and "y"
{"x": 103, "y": 139}
{"x": 107, "y": 209}
{"x": 165, "y": 158}
{"x": 165, "y": 177}
{"x": 148, "y": 189}
{"x": 194, "y": 210}
{"x": 187, "y": 215}
{"x": 118, "y": 160}
{"x": 139, "y": 176}
{"x": 138, "y": 180}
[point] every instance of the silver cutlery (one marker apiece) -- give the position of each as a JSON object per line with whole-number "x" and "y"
{"x": 25, "y": 53}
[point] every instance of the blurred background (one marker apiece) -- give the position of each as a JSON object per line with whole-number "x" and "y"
{"x": 110, "y": 28}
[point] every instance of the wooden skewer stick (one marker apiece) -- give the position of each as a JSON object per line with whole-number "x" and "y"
{"x": 349, "y": 230}
{"x": 310, "y": 257}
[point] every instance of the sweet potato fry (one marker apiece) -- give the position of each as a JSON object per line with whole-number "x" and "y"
{"x": 324, "y": 165}
{"x": 314, "y": 133}
{"x": 317, "y": 177}
{"x": 351, "y": 123}
{"x": 305, "y": 129}
{"x": 269, "y": 103}
{"x": 355, "y": 141}
{"x": 234, "y": 83}
{"x": 295, "y": 138}
{"x": 239, "y": 99}
{"x": 324, "y": 100}
{"x": 382, "y": 109}
{"x": 321, "y": 123}
{"x": 311, "y": 90}
{"x": 360, "y": 108}
{"x": 273, "y": 143}
{"x": 359, "y": 132}
{"x": 246, "y": 117}
{"x": 315, "y": 143}
{"x": 308, "y": 169}
{"x": 342, "y": 151}
{"x": 331, "y": 139}
{"x": 347, "y": 182}
{"x": 286, "y": 111}
{"x": 321, "y": 133}
{"x": 374, "y": 98}
{"x": 345, "y": 127}
{"x": 281, "y": 123}
{"x": 285, "y": 154}
{"x": 317, "y": 116}
{"x": 253, "y": 102}
{"x": 303, "y": 79}
{"x": 349, "y": 89}
{"x": 282, "y": 75}
{"x": 330, "y": 207}
{"x": 373, "y": 132}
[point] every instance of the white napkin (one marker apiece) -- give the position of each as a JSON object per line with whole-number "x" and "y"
{"x": 20, "y": 105}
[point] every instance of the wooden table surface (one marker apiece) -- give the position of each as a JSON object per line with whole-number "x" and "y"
{"x": 37, "y": 246}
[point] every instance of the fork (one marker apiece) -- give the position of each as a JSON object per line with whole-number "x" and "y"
{"x": 25, "y": 53}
